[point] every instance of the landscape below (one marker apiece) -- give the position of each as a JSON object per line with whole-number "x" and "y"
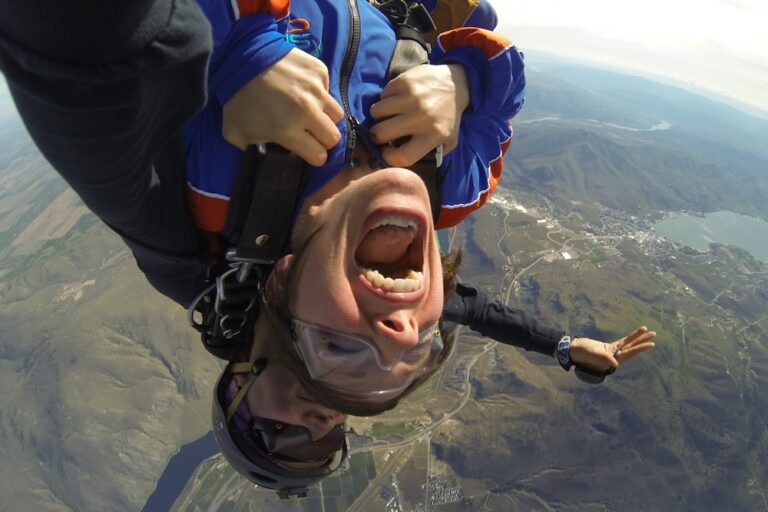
{"x": 104, "y": 381}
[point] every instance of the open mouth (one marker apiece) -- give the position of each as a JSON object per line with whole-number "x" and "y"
{"x": 391, "y": 253}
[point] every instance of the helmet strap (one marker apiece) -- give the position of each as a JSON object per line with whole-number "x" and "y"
{"x": 253, "y": 370}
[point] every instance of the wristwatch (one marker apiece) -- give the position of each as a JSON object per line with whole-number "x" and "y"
{"x": 564, "y": 353}
{"x": 584, "y": 373}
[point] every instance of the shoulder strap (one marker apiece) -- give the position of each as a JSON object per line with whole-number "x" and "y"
{"x": 267, "y": 189}
{"x": 412, "y": 21}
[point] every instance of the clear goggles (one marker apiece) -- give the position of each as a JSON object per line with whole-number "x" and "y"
{"x": 293, "y": 443}
{"x": 352, "y": 365}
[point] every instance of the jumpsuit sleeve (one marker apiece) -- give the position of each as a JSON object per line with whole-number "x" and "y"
{"x": 450, "y": 14}
{"x": 496, "y": 77}
{"x": 248, "y": 39}
{"x": 103, "y": 89}
{"x": 472, "y": 307}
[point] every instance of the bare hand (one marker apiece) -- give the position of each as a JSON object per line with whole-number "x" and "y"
{"x": 287, "y": 104}
{"x": 600, "y": 356}
{"x": 425, "y": 103}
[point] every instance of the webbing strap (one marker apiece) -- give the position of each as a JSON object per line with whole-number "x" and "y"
{"x": 428, "y": 170}
{"x": 412, "y": 21}
{"x": 267, "y": 189}
{"x": 253, "y": 370}
{"x": 409, "y": 52}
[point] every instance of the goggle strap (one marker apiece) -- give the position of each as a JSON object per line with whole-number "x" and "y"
{"x": 244, "y": 367}
{"x": 232, "y": 409}
{"x": 253, "y": 370}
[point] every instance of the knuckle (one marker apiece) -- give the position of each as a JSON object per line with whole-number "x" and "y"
{"x": 444, "y": 132}
{"x": 404, "y": 86}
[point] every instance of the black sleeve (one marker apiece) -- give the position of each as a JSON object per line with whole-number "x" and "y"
{"x": 472, "y": 307}
{"x": 103, "y": 89}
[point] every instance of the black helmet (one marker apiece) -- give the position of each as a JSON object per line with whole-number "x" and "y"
{"x": 256, "y": 452}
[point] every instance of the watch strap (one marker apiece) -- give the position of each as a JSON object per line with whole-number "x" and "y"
{"x": 564, "y": 353}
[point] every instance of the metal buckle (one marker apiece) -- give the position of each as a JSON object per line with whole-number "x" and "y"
{"x": 232, "y": 323}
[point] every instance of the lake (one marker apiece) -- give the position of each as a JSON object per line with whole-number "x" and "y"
{"x": 748, "y": 233}
{"x": 178, "y": 472}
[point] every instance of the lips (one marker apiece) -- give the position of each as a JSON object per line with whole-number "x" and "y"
{"x": 390, "y": 254}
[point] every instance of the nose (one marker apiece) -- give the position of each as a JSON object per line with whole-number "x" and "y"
{"x": 396, "y": 333}
{"x": 321, "y": 420}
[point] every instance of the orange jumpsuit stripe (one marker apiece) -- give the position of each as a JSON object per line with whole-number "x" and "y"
{"x": 490, "y": 43}
{"x": 279, "y": 8}
{"x": 209, "y": 213}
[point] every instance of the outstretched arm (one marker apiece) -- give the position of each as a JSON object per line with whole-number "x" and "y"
{"x": 472, "y": 307}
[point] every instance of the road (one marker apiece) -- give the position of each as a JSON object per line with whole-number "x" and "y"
{"x": 370, "y": 492}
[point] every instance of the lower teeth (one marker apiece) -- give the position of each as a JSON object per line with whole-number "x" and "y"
{"x": 409, "y": 284}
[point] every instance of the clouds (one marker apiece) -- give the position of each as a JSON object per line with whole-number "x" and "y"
{"x": 716, "y": 44}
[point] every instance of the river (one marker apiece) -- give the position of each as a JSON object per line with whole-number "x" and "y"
{"x": 748, "y": 233}
{"x": 178, "y": 472}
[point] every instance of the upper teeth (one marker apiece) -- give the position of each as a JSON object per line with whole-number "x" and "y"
{"x": 396, "y": 220}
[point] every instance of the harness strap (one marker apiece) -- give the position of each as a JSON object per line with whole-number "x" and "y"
{"x": 428, "y": 169}
{"x": 268, "y": 187}
{"x": 253, "y": 370}
{"x": 412, "y": 20}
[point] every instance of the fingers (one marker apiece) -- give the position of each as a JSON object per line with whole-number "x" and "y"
{"x": 627, "y": 354}
{"x": 407, "y": 154}
{"x": 388, "y": 107}
{"x": 307, "y": 147}
{"x": 638, "y": 336}
{"x": 323, "y": 129}
{"x": 422, "y": 139}
{"x": 288, "y": 104}
{"x": 637, "y": 342}
{"x": 634, "y": 335}
{"x": 402, "y": 85}
{"x": 332, "y": 109}
{"x": 392, "y": 128}
{"x": 599, "y": 355}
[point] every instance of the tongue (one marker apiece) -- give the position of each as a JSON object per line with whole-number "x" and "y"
{"x": 386, "y": 244}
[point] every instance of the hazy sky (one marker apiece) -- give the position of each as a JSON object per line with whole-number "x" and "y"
{"x": 6, "y": 105}
{"x": 720, "y": 45}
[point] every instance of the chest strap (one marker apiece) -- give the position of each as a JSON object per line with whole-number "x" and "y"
{"x": 268, "y": 187}
{"x": 267, "y": 190}
{"x": 411, "y": 21}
